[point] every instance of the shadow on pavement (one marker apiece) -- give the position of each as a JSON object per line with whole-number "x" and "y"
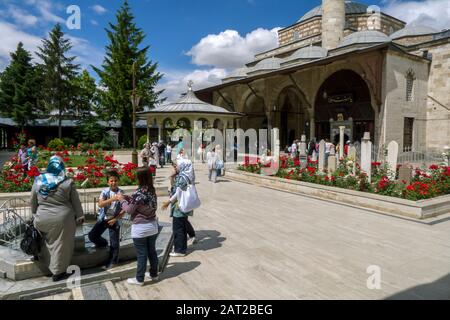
{"x": 438, "y": 290}
{"x": 174, "y": 269}
{"x": 207, "y": 240}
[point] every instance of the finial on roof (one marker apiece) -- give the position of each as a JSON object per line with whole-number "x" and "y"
{"x": 190, "y": 84}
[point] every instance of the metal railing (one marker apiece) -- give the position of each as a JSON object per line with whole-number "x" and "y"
{"x": 14, "y": 214}
{"x": 412, "y": 157}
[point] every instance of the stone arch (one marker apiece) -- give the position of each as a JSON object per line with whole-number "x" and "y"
{"x": 226, "y": 101}
{"x": 184, "y": 123}
{"x": 291, "y": 114}
{"x": 344, "y": 97}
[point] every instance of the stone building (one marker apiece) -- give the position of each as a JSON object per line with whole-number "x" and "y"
{"x": 347, "y": 64}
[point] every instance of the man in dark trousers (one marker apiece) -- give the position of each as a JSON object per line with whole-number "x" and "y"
{"x": 162, "y": 153}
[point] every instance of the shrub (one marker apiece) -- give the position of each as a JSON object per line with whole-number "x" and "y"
{"x": 69, "y": 142}
{"x": 56, "y": 144}
{"x": 141, "y": 142}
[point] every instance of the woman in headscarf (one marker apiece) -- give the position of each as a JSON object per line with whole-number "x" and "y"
{"x": 183, "y": 177}
{"x": 145, "y": 155}
{"x": 56, "y": 207}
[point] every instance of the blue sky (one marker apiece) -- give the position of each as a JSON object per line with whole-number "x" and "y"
{"x": 199, "y": 39}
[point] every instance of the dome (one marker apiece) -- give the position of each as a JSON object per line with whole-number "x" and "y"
{"x": 267, "y": 65}
{"x": 240, "y": 73}
{"x": 413, "y": 31}
{"x": 350, "y": 8}
{"x": 310, "y": 52}
{"x": 366, "y": 36}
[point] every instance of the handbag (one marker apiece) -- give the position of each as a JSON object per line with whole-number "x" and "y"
{"x": 219, "y": 165}
{"x": 189, "y": 199}
{"x": 31, "y": 242}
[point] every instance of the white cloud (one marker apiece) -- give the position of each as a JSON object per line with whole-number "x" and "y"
{"x": 94, "y": 22}
{"x": 11, "y": 36}
{"x": 99, "y": 9}
{"x": 86, "y": 53}
{"x": 45, "y": 7}
{"x": 175, "y": 82}
{"x": 433, "y": 13}
{"x": 22, "y": 17}
{"x": 230, "y": 50}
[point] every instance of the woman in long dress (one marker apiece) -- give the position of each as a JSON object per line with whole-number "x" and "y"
{"x": 56, "y": 207}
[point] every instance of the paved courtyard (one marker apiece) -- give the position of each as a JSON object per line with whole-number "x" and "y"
{"x": 258, "y": 243}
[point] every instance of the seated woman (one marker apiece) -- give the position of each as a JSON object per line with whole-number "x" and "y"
{"x": 56, "y": 207}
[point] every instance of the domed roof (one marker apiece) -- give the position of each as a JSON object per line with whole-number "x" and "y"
{"x": 366, "y": 36}
{"x": 240, "y": 73}
{"x": 190, "y": 104}
{"x": 310, "y": 52}
{"x": 267, "y": 65}
{"x": 350, "y": 8}
{"x": 413, "y": 31}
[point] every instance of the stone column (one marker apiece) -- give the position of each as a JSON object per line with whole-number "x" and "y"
{"x": 341, "y": 141}
{"x": 312, "y": 129}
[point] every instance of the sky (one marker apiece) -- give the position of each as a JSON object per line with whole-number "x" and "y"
{"x": 199, "y": 40}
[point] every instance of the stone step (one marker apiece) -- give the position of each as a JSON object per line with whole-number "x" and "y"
{"x": 39, "y": 286}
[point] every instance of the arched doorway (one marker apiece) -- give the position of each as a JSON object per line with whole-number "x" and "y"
{"x": 344, "y": 100}
{"x": 291, "y": 116}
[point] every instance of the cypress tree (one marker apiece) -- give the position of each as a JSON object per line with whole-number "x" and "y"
{"x": 57, "y": 71}
{"x": 18, "y": 88}
{"x": 116, "y": 73}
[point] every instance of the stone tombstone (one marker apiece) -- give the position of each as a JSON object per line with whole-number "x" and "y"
{"x": 352, "y": 157}
{"x": 341, "y": 141}
{"x": 321, "y": 155}
{"x": 366, "y": 155}
{"x": 332, "y": 159}
{"x": 357, "y": 146}
{"x": 392, "y": 159}
{"x": 303, "y": 146}
{"x": 405, "y": 175}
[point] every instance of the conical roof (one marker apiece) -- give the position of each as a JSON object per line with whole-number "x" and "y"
{"x": 189, "y": 103}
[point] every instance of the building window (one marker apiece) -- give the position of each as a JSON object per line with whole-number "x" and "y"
{"x": 296, "y": 36}
{"x": 408, "y": 134}
{"x": 410, "y": 79}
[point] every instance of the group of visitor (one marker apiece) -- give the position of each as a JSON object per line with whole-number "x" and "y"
{"x": 313, "y": 147}
{"x": 57, "y": 211}
{"x": 156, "y": 155}
{"x": 28, "y": 155}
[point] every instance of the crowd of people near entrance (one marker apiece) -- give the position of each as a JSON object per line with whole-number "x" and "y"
{"x": 313, "y": 148}
{"x": 57, "y": 211}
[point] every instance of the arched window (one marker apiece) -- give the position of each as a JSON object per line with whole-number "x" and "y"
{"x": 184, "y": 123}
{"x": 410, "y": 79}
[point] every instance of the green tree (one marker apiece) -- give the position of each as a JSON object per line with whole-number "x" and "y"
{"x": 116, "y": 73}
{"x": 19, "y": 89}
{"x": 57, "y": 71}
{"x": 85, "y": 98}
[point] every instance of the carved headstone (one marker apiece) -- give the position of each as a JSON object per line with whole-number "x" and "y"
{"x": 392, "y": 159}
{"x": 341, "y": 141}
{"x": 405, "y": 175}
{"x": 303, "y": 153}
{"x": 321, "y": 155}
{"x": 332, "y": 159}
{"x": 366, "y": 156}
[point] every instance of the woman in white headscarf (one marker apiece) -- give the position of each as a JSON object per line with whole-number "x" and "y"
{"x": 145, "y": 155}
{"x": 185, "y": 176}
{"x": 56, "y": 207}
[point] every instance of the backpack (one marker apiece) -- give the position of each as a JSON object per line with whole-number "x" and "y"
{"x": 31, "y": 242}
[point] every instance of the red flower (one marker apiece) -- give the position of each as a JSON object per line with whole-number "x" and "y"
{"x": 34, "y": 172}
{"x": 434, "y": 167}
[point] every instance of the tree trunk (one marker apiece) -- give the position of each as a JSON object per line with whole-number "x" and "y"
{"x": 60, "y": 124}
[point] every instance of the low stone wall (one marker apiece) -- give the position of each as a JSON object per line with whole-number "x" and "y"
{"x": 86, "y": 195}
{"x": 414, "y": 209}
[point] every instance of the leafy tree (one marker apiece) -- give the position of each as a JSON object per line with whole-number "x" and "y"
{"x": 58, "y": 72}
{"x": 85, "y": 98}
{"x": 116, "y": 73}
{"x": 19, "y": 89}
{"x": 89, "y": 130}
